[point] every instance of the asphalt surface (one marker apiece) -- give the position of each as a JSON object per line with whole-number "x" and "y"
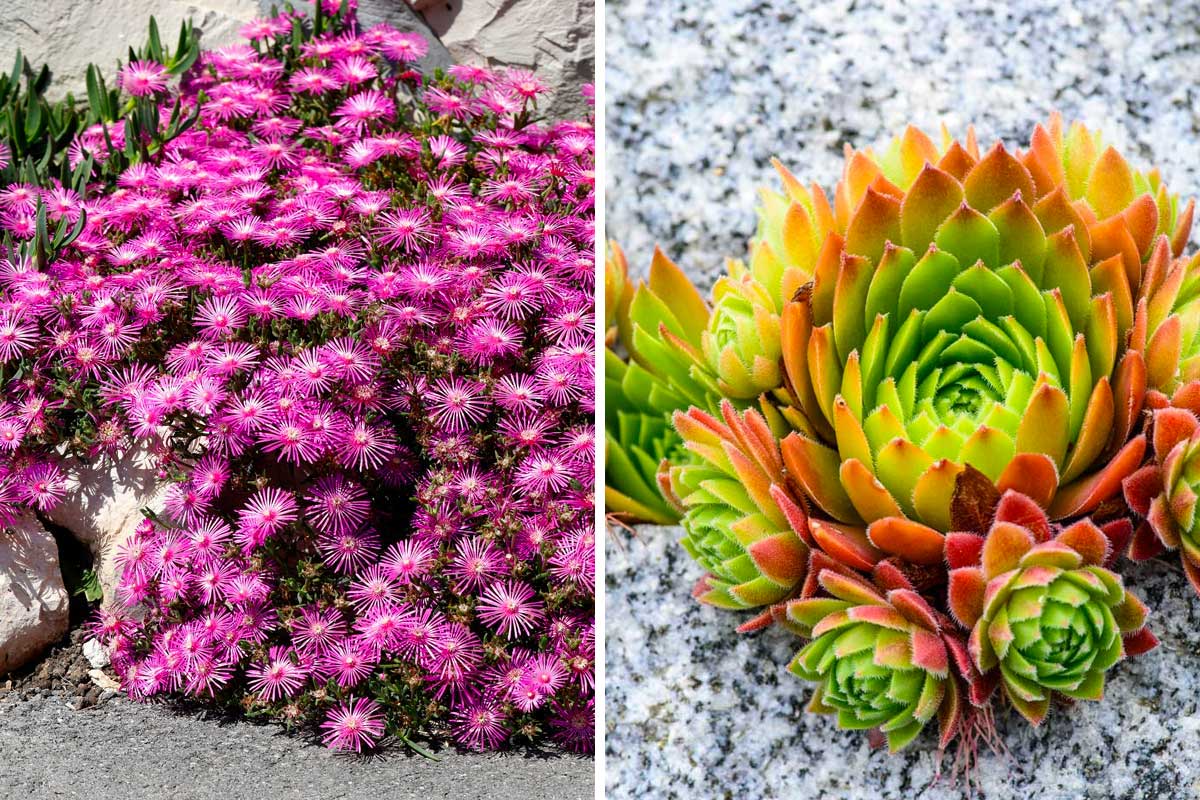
{"x": 127, "y": 751}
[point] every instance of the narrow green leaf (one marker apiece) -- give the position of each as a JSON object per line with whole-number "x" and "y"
{"x": 78, "y": 229}
{"x": 95, "y": 96}
{"x": 155, "y": 47}
{"x": 184, "y": 63}
{"x": 41, "y": 221}
{"x": 184, "y": 38}
{"x": 35, "y": 122}
{"x": 18, "y": 68}
{"x": 42, "y": 82}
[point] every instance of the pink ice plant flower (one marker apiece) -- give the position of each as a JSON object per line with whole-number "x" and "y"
{"x": 347, "y": 318}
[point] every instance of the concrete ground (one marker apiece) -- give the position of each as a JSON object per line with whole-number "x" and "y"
{"x": 127, "y": 751}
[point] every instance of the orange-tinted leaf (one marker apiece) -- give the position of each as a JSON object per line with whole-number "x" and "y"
{"x": 1110, "y": 186}
{"x": 875, "y": 222}
{"x": 933, "y": 197}
{"x": 671, "y": 283}
{"x": 908, "y": 539}
{"x": 1172, "y": 426}
{"x": 997, "y": 177}
{"x": 1129, "y": 390}
{"x": 1163, "y": 352}
{"x": 1141, "y": 217}
{"x": 846, "y": 544}
{"x": 1183, "y": 229}
{"x": 1031, "y": 474}
{"x": 1086, "y": 539}
{"x": 1087, "y": 493}
{"x": 1006, "y": 543}
{"x": 871, "y": 499}
{"x": 934, "y": 493}
{"x": 816, "y": 468}
{"x": 964, "y": 595}
{"x": 1110, "y": 238}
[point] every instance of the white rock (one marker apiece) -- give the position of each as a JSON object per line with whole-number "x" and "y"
{"x": 554, "y": 38}
{"x": 68, "y": 34}
{"x": 103, "y": 507}
{"x": 33, "y": 600}
{"x": 403, "y": 18}
{"x": 96, "y": 653}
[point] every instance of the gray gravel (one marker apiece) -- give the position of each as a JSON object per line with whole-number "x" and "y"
{"x": 126, "y": 751}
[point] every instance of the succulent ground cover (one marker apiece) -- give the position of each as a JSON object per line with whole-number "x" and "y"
{"x": 349, "y": 310}
{"x": 925, "y": 423}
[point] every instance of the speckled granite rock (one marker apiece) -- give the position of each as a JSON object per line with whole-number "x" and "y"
{"x": 700, "y": 96}
{"x": 696, "y": 710}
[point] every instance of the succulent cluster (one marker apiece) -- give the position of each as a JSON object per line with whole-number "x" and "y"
{"x": 920, "y": 423}
{"x": 348, "y": 308}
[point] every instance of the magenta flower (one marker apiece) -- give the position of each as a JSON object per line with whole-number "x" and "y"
{"x": 480, "y": 726}
{"x": 456, "y": 403}
{"x": 365, "y": 446}
{"x": 142, "y": 78}
{"x": 316, "y": 631}
{"x": 349, "y": 552}
{"x": 361, "y": 109}
{"x": 353, "y": 725}
{"x": 476, "y": 563}
{"x": 404, "y": 46}
{"x": 348, "y": 663}
{"x": 278, "y": 677}
{"x": 408, "y": 560}
{"x": 336, "y": 505}
{"x": 510, "y": 608}
{"x": 267, "y": 512}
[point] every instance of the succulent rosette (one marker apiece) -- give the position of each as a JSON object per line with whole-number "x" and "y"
{"x": 883, "y": 660}
{"x": 740, "y": 347}
{"x": 911, "y": 413}
{"x": 1042, "y": 608}
{"x": 647, "y": 386}
{"x": 973, "y": 310}
{"x": 739, "y": 518}
{"x": 638, "y": 436}
{"x": 662, "y": 327}
{"x": 1165, "y": 491}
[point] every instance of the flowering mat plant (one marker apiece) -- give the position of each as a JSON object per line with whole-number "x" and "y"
{"x": 926, "y": 424}
{"x": 347, "y": 309}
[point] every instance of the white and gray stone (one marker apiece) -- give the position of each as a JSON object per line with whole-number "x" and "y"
{"x": 34, "y": 606}
{"x": 695, "y": 710}
{"x": 96, "y": 653}
{"x": 701, "y": 95}
{"x": 103, "y": 506}
{"x": 69, "y": 34}
{"x": 553, "y": 38}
